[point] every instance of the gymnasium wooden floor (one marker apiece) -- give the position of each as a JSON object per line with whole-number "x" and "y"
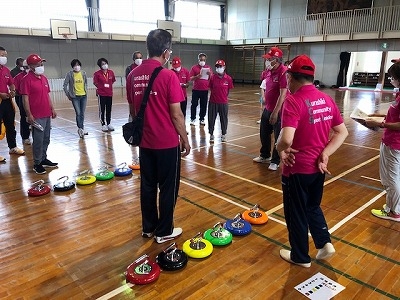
{"x": 78, "y": 244}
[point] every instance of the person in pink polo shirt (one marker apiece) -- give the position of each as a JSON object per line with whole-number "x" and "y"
{"x": 274, "y": 95}
{"x": 184, "y": 78}
{"x": 35, "y": 91}
{"x": 305, "y": 145}
{"x": 200, "y": 75}
{"x": 389, "y": 160}
{"x": 220, "y": 85}
{"x": 164, "y": 138}
{"x": 7, "y": 112}
{"x": 103, "y": 79}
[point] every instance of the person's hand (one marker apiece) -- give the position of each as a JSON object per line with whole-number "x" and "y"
{"x": 4, "y": 96}
{"x": 288, "y": 156}
{"x": 273, "y": 118}
{"x": 30, "y": 119}
{"x": 372, "y": 122}
{"x": 53, "y": 114}
{"x": 12, "y": 94}
{"x": 323, "y": 163}
{"x": 185, "y": 147}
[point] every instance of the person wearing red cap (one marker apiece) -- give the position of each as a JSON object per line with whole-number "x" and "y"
{"x": 274, "y": 95}
{"x": 220, "y": 85}
{"x": 35, "y": 91}
{"x": 7, "y": 112}
{"x": 305, "y": 145}
{"x": 389, "y": 159}
{"x": 200, "y": 75}
{"x": 184, "y": 78}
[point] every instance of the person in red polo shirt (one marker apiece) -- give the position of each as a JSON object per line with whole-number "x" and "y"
{"x": 275, "y": 93}
{"x": 184, "y": 78}
{"x": 103, "y": 79}
{"x": 200, "y": 75}
{"x": 305, "y": 144}
{"x": 7, "y": 112}
{"x": 35, "y": 91}
{"x": 164, "y": 139}
{"x": 220, "y": 84}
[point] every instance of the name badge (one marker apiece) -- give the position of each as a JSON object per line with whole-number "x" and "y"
{"x": 106, "y": 85}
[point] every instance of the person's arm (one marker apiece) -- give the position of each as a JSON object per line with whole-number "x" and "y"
{"x": 179, "y": 124}
{"x": 274, "y": 115}
{"x": 12, "y": 90}
{"x": 339, "y": 135}
{"x": 65, "y": 86}
{"x": 53, "y": 112}
{"x": 29, "y": 117}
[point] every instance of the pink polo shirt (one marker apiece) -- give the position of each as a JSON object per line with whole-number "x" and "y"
{"x": 200, "y": 84}
{"x": 391, "y": 138}
{"x": 219, "y": 87}
{"x": 5, "y": 79}
{"x": 184, "y": 77}
{"x": 37, "y": 89}
{"x": 275, "y": 80}
{"x": 158, "y": 132}
{"x": 103, "y": 82}
{"x": 17, "y": 81}
{"x": 313, "y": 114}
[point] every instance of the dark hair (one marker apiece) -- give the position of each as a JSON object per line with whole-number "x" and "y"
{"x": 19, "y": 60}
{"x": 2, "y": 49}
{"x": 302, "y": 77}
{"x": 157, "y": 42}
{"x": 135, "y": 53}
{"x": 100, "y": 60}
{"x": 75, "y": 61}
{"x": 394, "y": 71}
{"x": 201, "y": 54}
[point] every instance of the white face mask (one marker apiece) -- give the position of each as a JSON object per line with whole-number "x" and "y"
{"x": 3, "y": 60}
{"x": 220, "y": 70}
{"x": 39, "y": 70}
{"x": 138, "y": 61}
{"x": 104, "y": 67}
{"x": 77, "y": 68}
{"x": 178, "y": 69}
{"x": 22, "y": 68}
{"x": 268, "y": 65}
{"x": 202, "y": 63}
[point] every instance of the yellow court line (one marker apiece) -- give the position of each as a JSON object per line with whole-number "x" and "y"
{"x": 370, "y": 178}
{"x": 359, "y": 146}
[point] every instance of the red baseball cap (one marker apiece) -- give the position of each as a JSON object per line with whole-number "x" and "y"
{"x": 176, "y": 62}
{"x": 302, "y": 64}
{"x": 395, "y": 60}
{"x": 220, "y": 62}
{"x": 34, "y": 59}
{"x": 273, "y": 52}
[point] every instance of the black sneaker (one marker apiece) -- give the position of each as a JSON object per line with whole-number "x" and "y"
{"x": 49, "y": 163}
{"x": 39, "y": 169}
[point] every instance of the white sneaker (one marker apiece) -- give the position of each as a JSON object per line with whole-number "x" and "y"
{"x": 104, "y": 128}
{"x": 192, "y": 122}
{"x": 27, "y": 141}
{"x": 110, "y": 128}
{"x": 17, "y": 151}
{"x": 80, "y": 133}
{"x": 2, "y": 159}
{"x": 327, "y": 251}
{"x": 211, "y": 139}
{"x": 175, "y": 233}
{"x": 223, "y": 138}
{"x": 285, "y": 254}
{"x": 262, "y": 160}
{"x": 273, "y": 167}
{"x": 202, "y": 123}
{"x": 258, "y": 122}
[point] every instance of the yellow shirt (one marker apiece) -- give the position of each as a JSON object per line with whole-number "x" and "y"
{"x": 78, "y": 84}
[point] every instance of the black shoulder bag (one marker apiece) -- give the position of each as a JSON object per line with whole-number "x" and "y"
{"x": 133, "y": 131}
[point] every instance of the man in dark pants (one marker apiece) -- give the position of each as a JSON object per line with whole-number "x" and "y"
{"x": 275, "y": 93}
{"x": 7, "y": 112}
{"x": 23, "y": 124}
{"x": 164, "y": 138}
{"x": 305, "y": 145}
{"x": 200, "y": 75}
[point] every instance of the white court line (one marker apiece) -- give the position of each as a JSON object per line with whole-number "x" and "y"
{"x": 356, "y": 212}
{"x": 117, "y": 291}
{"x": 360, "y": 146}
{"x": 370, "y": 178}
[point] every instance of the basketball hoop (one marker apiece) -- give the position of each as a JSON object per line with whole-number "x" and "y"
{"x": 67, "y": 37}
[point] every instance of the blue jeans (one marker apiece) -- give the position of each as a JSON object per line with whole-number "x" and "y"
{"x": 79, "y": 103}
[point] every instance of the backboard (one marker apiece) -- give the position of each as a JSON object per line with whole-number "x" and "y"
{"x": 172, "y": 27}
{"x": 63, "y": 29}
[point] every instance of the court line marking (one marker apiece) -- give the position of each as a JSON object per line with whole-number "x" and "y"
{"x": 356, "y": 212}
{"x": 370, "y": 178}
{"x": 117, "y": 291}
{"x": 360, "y": 146}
